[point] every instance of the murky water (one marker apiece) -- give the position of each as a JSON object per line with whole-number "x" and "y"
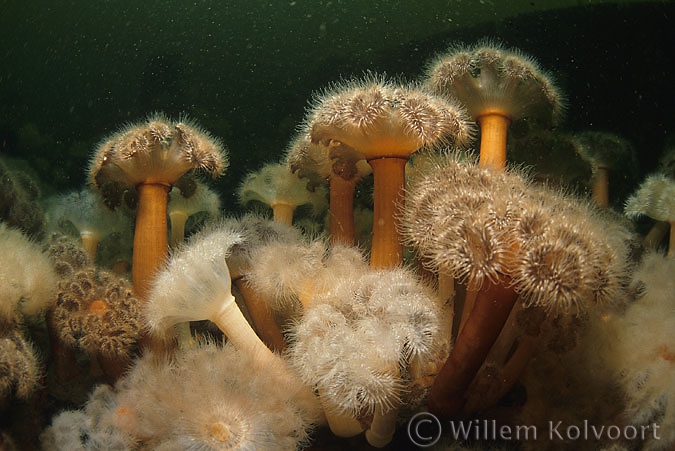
{"x": 73, "y": 72}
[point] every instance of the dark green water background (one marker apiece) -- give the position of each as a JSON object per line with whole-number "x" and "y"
{"x": 72, "y": 72}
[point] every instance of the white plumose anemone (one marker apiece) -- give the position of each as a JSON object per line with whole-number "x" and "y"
{"x": 644, "y": 355}
{"x": 27, "y": 278}
{"x": 233, "y": 403}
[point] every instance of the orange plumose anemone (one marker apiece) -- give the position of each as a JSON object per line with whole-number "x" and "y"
{"x": 151, "y": 156}
{"x": 98, "y": 312}
{"x": 497, "y": 86}
{"x": 512, "y": 244}
{"x": 385, "y": 122}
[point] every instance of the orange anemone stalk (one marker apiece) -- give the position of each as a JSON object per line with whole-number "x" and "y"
{"x": 493, "y": 128}
{"x": 343, "y": 167}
